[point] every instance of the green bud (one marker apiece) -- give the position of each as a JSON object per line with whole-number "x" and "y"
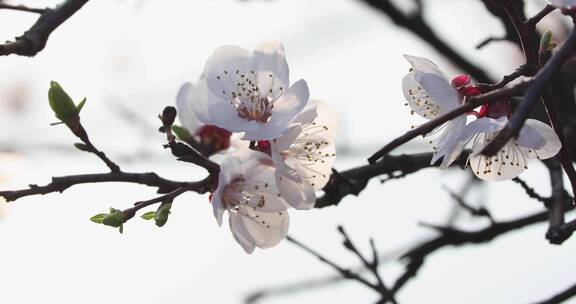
{"x": 98, "y": 218}
{"x": 114, "y": 219}
{"x": 61, "y": 103}
{"x": 546, "y": 47}
{"x": 181, "y": 132}
{"x": 162, "y": 214}
{"x": 148, "y": 215}
{"x": 545, "y": 40}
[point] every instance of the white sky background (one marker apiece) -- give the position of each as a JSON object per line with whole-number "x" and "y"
{"x": 136, "y": 54}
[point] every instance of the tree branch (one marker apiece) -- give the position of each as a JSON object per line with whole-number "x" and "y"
{"x": 417, "y": 25}
{"x": 34, "y": 40}
{"x": 61, "y": 183}
{"x": 22, "y": 8}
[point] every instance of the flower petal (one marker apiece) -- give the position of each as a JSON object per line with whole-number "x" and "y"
{"x": 269, "y": 59}
{"x": 259, "y": 229}
{"x": 505, "y": 165}
{"x": 539, "y": 138}
{"x": 241, "y": 233}
{"x": 423, "y": 65}
{"x": 221, "y": 67}
{"x": 449, "y": 144}
{"x": 297, "y": 194}
{"x": 184, "y": 107}
{"x": 440, "y": 90}
{"x": 483, "y": 125}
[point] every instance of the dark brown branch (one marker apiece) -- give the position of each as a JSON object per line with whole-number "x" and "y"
{"x": 370, "y": 265}
{"x": 346, "y": 273}
{"x": 200, "y": 187}
{"x": 22, "y": 8}
{"x": 454, "y": 237}
{"x": 561, "y": 297}
{"x": 59, "y": 184}
{"x": 417, "y": 25}
{"x": 354, "y": 180}
{"x": 34, "y": 40}
{"x": 475, "y": 211}
{"x": 530, "y": 191}
{"x": 89, "y": 147}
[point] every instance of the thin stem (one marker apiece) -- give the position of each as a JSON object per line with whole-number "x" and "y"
{"x": 22, "y": 8}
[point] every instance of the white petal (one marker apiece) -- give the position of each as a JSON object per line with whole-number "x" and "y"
{"x": 282, "y": 169}
{"x": 217, "y": 206}
{"x": 483, "y": 125}
{"x": 418, "y": 99}
{"x": 184, "y": 107}
{"x": 507, "y": 164}
{"x": 308, "y": 114}
{"x": 241, "y": 233}
{"x": 423, "y": 65}
{"x": 269, "y": 59}
{"x": 297, "y": 194}
{"x": 449, "y": 144}
{"x": 283, "y": 142}
{"x": 221, "y": 67}
{"x": 539, "y": 138}
{"x": 260, "y": 229}
{"x": 440, "y": 90}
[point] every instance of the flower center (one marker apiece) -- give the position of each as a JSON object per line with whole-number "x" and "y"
{"x": 254, "y": 101}
{"x": 240, "y": 193}
{"x": 308, "y": 150}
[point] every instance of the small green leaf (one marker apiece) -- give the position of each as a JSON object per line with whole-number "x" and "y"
{"x": 162, "y": 214}
{"x": 148, "y": 215}
{"x": 61, "y": 103}
{"x": 181, "y": 132}
{"x": 98, "y": 218}
{"x": 80, "y": 105}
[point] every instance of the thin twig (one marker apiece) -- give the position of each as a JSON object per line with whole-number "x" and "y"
{"x": 61, "y": 183}
{"x": 34, "y": 39}
{"x": 22, "y": 8}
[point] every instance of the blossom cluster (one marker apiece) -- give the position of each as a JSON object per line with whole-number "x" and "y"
{"x": 274, "y": 145}
{"x": 429, "y": 93}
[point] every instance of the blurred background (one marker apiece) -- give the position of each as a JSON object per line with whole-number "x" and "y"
{"x": 129, "y": 58}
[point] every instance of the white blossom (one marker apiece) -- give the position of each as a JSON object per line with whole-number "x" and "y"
{"x": 249, "y": 92}
{"x": 247, "y": 190}
{"x": 303, "y": 156}
{"x": 535, "y": 140}
{"x": 430, "y": 94}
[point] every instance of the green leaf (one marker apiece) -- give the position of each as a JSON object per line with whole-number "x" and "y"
{"x": 162, "y": 214}
{"x": 61, "y": 103}
{"x": 98, "y": 218}
{"x": 80, "y": 105}
{"x": 148, "y": 215}
{"x": 181, "y": 132}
